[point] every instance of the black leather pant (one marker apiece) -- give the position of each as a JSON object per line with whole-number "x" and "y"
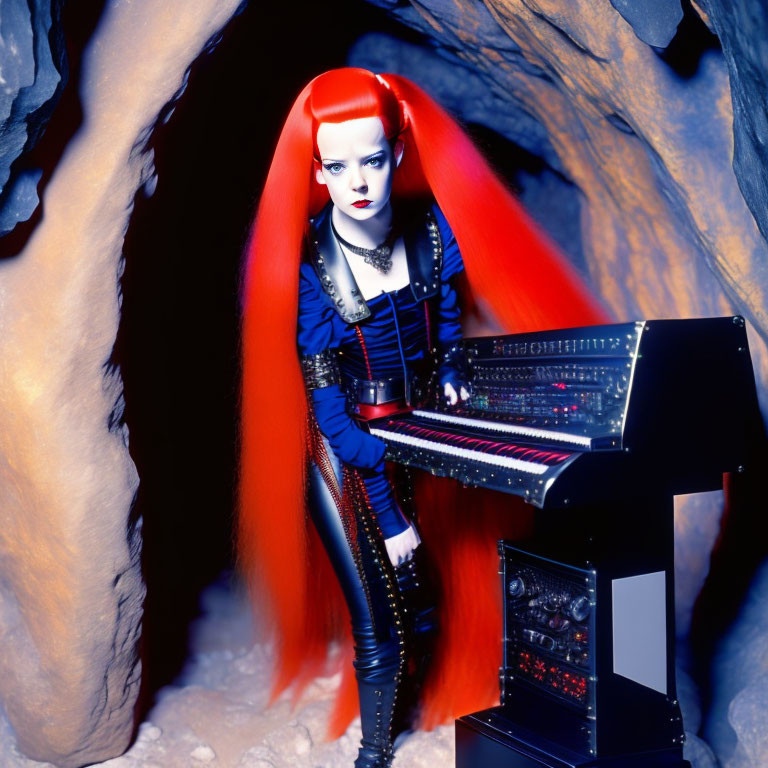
{"x": 377, "y": 643}
{"x": 369, "y": 586}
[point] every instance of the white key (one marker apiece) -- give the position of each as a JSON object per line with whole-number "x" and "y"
{"x": 462, "y": 453}
{"x": 513, "y": 429}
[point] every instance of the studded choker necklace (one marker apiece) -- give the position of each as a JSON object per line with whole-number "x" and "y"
{"x": 379, "y": 258}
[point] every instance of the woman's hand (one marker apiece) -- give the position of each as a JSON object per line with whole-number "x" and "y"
{"x": 450, "y": 393}
{"x": 400, "y": 547}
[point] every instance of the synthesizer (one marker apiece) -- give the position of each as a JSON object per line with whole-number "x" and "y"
{"x": 577, "y": 415}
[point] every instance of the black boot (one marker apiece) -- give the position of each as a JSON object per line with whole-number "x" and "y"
{"x": 377, "y": 705}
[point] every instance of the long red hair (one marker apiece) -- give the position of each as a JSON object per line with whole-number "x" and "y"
{"x": 511, "y": 268}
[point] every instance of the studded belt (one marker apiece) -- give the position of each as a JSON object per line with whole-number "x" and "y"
{"x": 376, "y": 391}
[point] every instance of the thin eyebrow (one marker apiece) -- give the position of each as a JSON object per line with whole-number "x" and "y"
{"x": 330, "y": 160}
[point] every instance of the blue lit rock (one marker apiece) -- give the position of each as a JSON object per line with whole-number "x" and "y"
{"x": 698, "y": 752}
{"x": 742, "y": 27}
{"x": 654, "y": 21}
{"x": 736, "y": 725}
{"x": 697, "y": 524}
{"x": 459, "y": 88}
{"x": 33, "y": 67}
{"x": 747, "y": 718}
{"x": 20, "y": 199}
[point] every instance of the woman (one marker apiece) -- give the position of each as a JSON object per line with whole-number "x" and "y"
{"x": 367, "y": 291}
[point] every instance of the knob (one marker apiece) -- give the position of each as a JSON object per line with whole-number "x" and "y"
{"x": 579, "y": 608}
{"x": 516, "y": 587}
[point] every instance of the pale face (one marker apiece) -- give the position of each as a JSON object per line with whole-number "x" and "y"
{"x": 357, "y": 164}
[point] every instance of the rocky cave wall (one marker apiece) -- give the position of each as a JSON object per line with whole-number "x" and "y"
{"x": 33, "y": 68}
{"x": 70, "y": 580}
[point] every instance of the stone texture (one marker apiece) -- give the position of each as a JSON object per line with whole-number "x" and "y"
{"x": 33, "y": 70}
{"x": 697, "y": 525}
{"x": 70, "y": 582}
{"x": 698, "y": 752}
{"x": 654, "y": 21}
{"x": 746, "y": 715}
{"x": 742, "y": 27}
{"x": 736, "y": 724}
{"x": 218, "y": 713}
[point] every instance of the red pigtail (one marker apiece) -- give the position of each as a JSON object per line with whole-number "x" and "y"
{"x": 273, "y": 403}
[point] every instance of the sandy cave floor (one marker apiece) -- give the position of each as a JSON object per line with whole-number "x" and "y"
{"x": 215, "y": 714}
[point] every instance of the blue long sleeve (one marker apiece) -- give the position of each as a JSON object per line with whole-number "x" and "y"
{"x": 350, "y": 443}
{"x": 317, "y": 332}
{"x": 319, "y": 329}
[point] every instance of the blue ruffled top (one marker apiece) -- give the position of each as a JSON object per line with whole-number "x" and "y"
{"x": 395, "y": 337}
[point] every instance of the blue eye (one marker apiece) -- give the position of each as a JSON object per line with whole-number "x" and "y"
{"x": 334, "y": 168}
{"x": 375, "y": 162}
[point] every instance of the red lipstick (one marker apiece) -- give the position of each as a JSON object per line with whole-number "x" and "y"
{"x": 362, "y": 203}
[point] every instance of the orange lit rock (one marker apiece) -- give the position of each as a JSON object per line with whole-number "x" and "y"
{"x": 70, "y": 583}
